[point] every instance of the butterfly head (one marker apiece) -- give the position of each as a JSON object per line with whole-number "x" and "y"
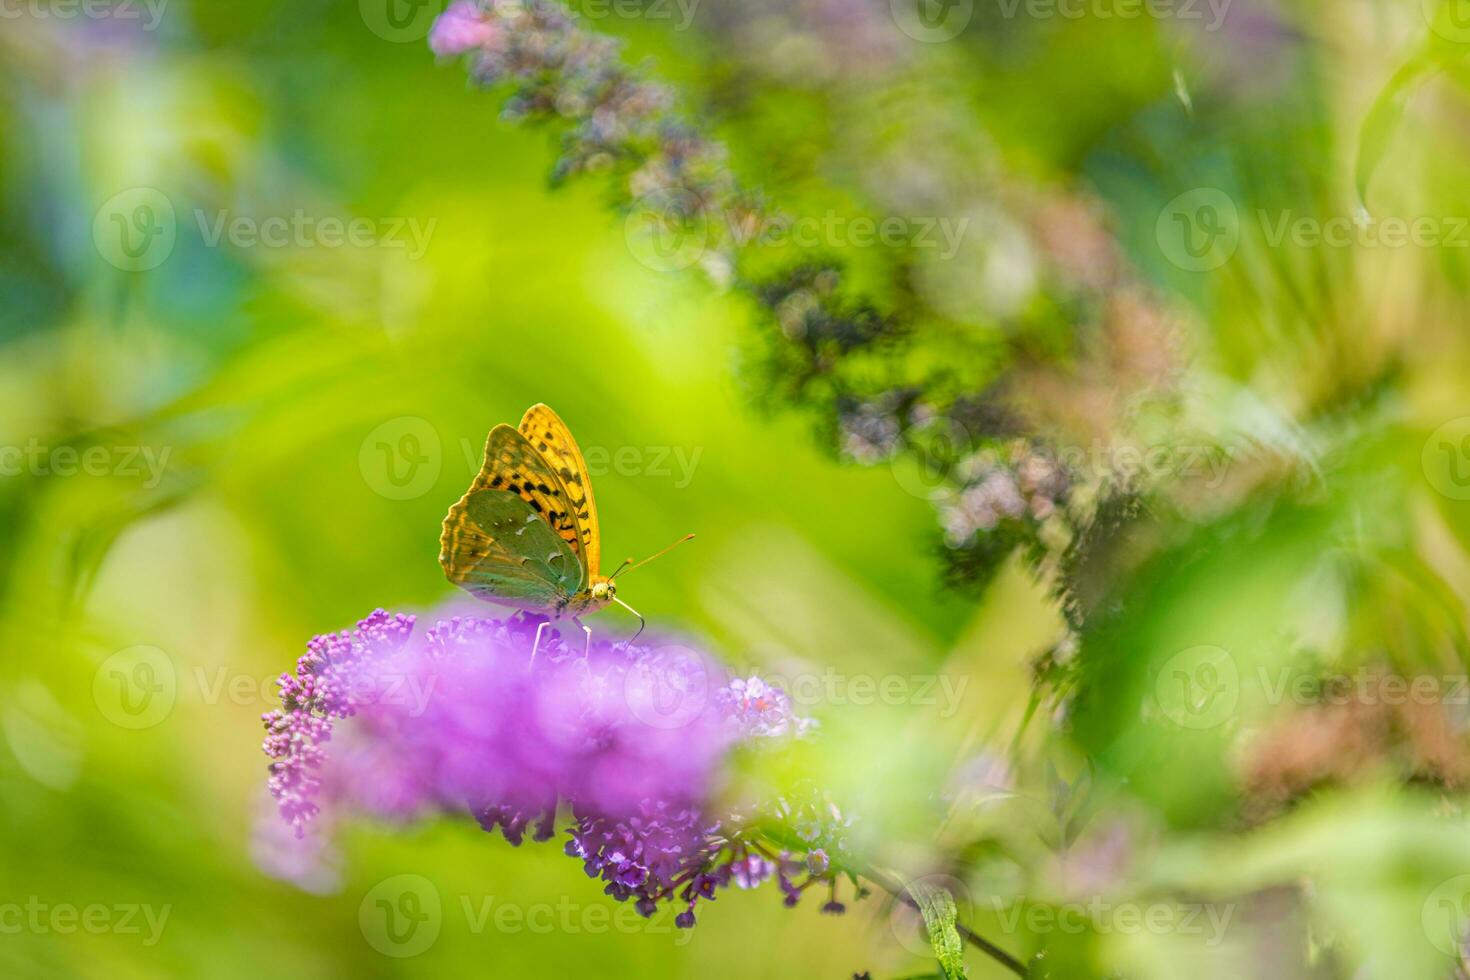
{"x": 597, "y": 595}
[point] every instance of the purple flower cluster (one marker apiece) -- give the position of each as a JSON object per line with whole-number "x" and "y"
{"x": 458, "y": 716}
{"x": 462, "y": 27}
{"x": 755, "y": 710}
{"x": 869, "y": 433}
{"x": 1015, "y": 483}
{"x": 677, "y": 854}
{"x": 985, "y": 482}
{"x": 616, "y": 121}
{"x": 328, "y": 685}
{"x": 627, "y": 740}
{"x": 661, "y": 853}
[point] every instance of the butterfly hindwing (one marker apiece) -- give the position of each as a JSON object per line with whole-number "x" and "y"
{"x": 551, "y": 438}
{"x": 524, "y": 562}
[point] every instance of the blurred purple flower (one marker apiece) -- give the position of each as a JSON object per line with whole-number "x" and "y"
{"x": 463, "y": 26}
{"x": 759, "y": 710}
{"x": 309, "y": 861}
{"x": 457, "y": 718}
{"x": 629, "y": 740}
{"x": 752, "y": 869}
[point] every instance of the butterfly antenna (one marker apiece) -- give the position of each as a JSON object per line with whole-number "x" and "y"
{"x": 626, "y": 567}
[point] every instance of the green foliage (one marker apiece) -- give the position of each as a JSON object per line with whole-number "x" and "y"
{"x": 938, "y": 908}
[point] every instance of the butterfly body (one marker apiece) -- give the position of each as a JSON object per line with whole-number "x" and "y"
{"x": 526, "y": 533}
{"x": 590, "y": 600}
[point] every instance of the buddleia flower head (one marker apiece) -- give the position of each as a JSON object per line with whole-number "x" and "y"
{"x": 627, "y": 742}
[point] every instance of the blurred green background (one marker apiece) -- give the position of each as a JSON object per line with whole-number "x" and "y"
{"x": 218, "y": 447}
{"x": 267, "y": 376}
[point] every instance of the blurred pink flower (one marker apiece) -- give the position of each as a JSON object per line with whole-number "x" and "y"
{"x": 462, "y": 27}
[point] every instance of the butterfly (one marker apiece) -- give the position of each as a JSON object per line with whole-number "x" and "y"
{"x": 526, "y": 532}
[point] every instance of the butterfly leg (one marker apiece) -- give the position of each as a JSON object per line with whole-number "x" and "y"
{"x": 587, "y": 646}
{"x": 641, "y": 621}
{"x": 537, "y": 644}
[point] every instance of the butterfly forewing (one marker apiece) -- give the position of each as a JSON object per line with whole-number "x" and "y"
{"x": 549, "y": 435}
{"x": 512, "y": 466}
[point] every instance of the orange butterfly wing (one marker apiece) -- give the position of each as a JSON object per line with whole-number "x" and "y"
{"x": 551, "y": 438}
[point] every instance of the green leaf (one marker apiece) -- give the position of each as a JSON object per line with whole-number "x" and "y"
{"x": 1436, "y": 55}
{"x": 1383, "y": 119}
{"x": 937, "y": 907}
